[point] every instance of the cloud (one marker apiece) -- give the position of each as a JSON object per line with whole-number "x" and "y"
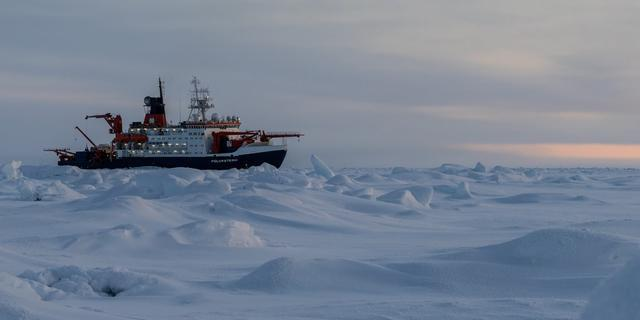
{"x": 353, "y": 74}
{"x": 519, "y": 63}
{"x": 583, "y": 151}
{"x": 36, "y": 91}
{"x": 501, "y": 114}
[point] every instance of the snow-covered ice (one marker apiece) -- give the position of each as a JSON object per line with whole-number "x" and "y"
{"x": 452, "y": 242}
{"x": 617, "y": 298}
{"x": 11, "y": 170}
{"x": 320, "y": 167}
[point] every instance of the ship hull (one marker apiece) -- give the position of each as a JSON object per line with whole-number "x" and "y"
{"x": 87, "y": 160}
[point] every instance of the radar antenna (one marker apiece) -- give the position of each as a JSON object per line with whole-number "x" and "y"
{"x": 200, "y": 102}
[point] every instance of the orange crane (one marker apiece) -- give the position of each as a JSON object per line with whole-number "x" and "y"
{"x": 115, "y": 123}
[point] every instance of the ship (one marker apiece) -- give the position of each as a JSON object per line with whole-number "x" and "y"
{"x": 203, "y": 141}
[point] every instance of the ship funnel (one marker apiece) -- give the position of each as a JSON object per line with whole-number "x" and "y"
{"x": 155, "y": 117}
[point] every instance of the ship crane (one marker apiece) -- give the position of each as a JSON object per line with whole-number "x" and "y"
{"x": 285, "y": 134}
{"x": 115, "y": 127}
{"x": 221, "y": 138}
{"x": 115, "y": 123}
{"x": 86, "y": 137}
{"x": 63, "y": 153}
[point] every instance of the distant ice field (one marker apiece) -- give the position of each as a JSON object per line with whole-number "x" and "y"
{"x": 451, "y": 242}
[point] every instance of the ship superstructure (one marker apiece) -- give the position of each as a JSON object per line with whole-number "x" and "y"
{"x": 203, "y": 141}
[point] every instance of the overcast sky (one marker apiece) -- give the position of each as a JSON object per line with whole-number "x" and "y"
{"x": 370, "y": 83}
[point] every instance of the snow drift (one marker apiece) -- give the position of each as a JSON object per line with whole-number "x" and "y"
{"x": 560, "y": 248}
{"x": 390, "y": 246}
{"x": 342, "y": 180}
{"x": 617, "y": 298}
{"x": 116, "y": 238}
{"x": 15, "y": 295}
{"x": 99, "y": 282}
{"x": 154, "y": 184}
{"x": 235, "y": 234}
{"x": 540, "y": 198}
{"x": 413, "y": 197}
{"x": 56, "y": 190}
{"x": 289, "y": 274}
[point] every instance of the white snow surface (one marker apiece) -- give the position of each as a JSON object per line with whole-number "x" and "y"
{"x": 617, "y": 298}
{"x": 452, "y": 242}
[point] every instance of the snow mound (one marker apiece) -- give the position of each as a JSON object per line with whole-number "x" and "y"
{"x": 500, "y": 174}
{"x": 580, "y": 178}
{"x": 342, "y": 180}
{"x": 532, "y": 173}
{"x": 154, "y": 184}
{"x": 55, "y": 190}
{"x": 213, "y": 185}
{"x": 528, "y": 198}
{"x": 565, "y": 248}
{"x": 10, "y": 311}
{"x": 400, "y": 170}
{"x": 136, "y": 210}
{"x": 287, "y": 274}
{"x": 188, "y": 174}
{"x": 17, "y": 287}
{"x": 577, "y": 178}
{"x": 371, "y": 178}
{"x": 234, "y": 234}
{"x": 320, "y": 168}
{"x": 462, "y": 192}
{"x": 409, "y": 214}
{"x": 422, "y": 194}
{"x": 11, "y": 170}
{"x": 52, "y": 172}
{"x": 99, "y": 282}
{"x": 617, "y": 298}
{"x": 445, "y": 189}
{"x": 249, "y": 200}
{"x": 116, "y": 237}
{"x": 402, "y": 197}
{"x": 15, "y": 294}
{"x": 92, "y": 177}
{"x": 413, "y": 197}
{"x": 364, "y": 193}
{"x": 28, "y": 191}
{"x": 178, "y": 181}
{"x": 501, "y": 169}
{"x": 59, "y": 190}
{"x": 267, "y": 173}
{"x": 232, "y": 173}
{"x": 453, "y": 169}
{"x": 115, "y": 240}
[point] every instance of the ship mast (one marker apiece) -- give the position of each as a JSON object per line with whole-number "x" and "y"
{"x": 160, "y": 88}
{"x": 200, "y": 102}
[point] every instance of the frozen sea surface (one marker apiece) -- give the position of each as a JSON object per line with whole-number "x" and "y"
{"x": 397, "y": 243}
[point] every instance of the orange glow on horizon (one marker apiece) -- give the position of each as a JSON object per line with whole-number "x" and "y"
{"x": 591, "y": 151}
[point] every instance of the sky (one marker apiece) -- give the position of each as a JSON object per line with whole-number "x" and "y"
{"x": 370, "y": 83}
